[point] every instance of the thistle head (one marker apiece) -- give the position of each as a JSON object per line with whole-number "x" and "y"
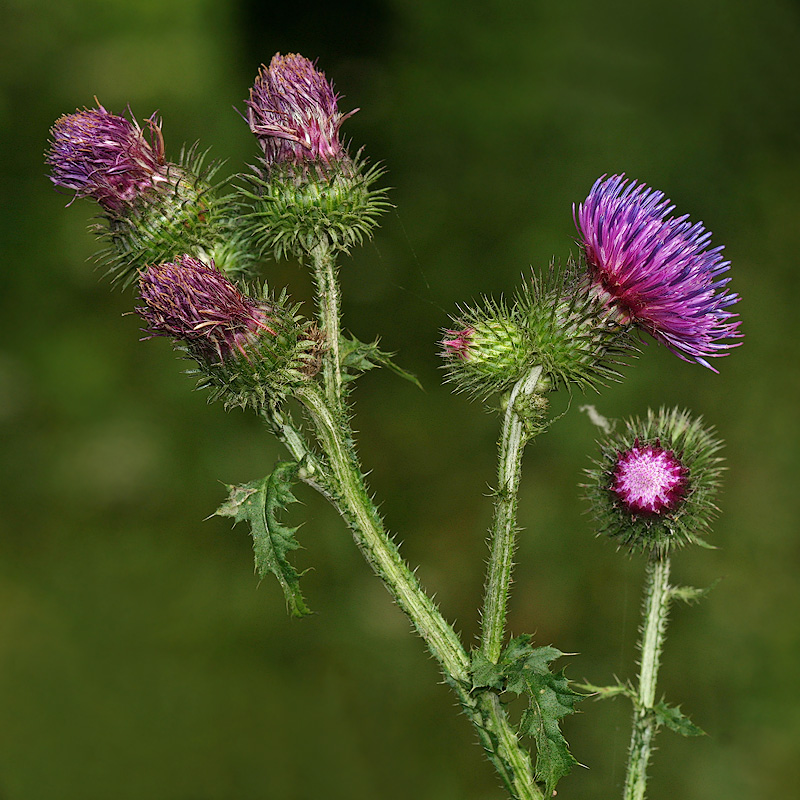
{"x": 247, "y": 349}
{"x": 656, "y": 271}
{"x": 653, "y": 487}
{"x": 293, "y": 113}
{"x": 106, "y": 157}
{"x": 309, "y": 191}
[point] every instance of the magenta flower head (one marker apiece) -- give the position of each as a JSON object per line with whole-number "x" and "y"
{"x": 106, "y": 157}
{"x": 294, "y": 114}
{"x": 654, "y": 484}
{"x": 656, "y": 271}
{"x": 247, "y": 349}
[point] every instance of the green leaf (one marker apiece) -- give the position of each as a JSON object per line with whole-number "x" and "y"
{"x": 676, "y": 720}
{"x": 357, "y": 357}
{"x": 258, "y": 503}
{"x": 550, "y": 699}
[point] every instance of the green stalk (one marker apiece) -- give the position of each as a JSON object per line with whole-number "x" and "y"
{"x": 515, "y": 435}
{"x": 654, "y": 612}
{"x": 328, "y": 301}
{"x": 351, "y": 498}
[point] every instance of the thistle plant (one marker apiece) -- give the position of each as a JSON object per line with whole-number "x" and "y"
{"x": 194, "y": 250}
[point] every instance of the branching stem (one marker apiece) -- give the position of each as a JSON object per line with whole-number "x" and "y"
{"x": 350, "y": 496}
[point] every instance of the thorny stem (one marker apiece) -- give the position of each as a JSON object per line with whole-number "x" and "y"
{"x": 328, "y": 299}
{"x": 655, "y": 609}
{"x": 514, "y": 437}
{"x": 348, "y": 492}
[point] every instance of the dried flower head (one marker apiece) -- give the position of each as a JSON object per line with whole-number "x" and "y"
{"x": 653, "y": 487}
{"x": 107, "y": 157}
{"x": 197, "y": 304}
{"x": 656, "y": 271}
{"x": 249, "y": 351}
{"x": 293, "y": 112}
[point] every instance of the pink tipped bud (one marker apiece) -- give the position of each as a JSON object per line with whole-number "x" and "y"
{"x": 459, "y": 345}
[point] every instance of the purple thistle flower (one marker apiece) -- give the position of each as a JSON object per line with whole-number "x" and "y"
{"x": 648, "y": 480}
{"x": 656, "y": 271}
{"x": 293, "y": 112}
{"x": 106, "y": 157}
{"x": 190, "y": 301}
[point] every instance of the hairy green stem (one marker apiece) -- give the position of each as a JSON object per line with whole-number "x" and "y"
{"x": 351, "y": 498}
{"x": 514, "y": 437}
{"x": 654, "y": 612}
{"x": 324, "y": 265}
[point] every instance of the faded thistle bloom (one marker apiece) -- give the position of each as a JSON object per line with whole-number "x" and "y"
{"x": 247, "y": 349}
{"x": 308, "y": 191}
{"x": 656, "y": 271}
{"x": 293, "y": 113}
{"x": 653, "y": 487}
{"x": 106, "y": 157}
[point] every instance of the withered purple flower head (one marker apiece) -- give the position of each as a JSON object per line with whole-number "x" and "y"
{"x": 656, "y": 271}
{"x": 293, "y": 112}
{"x": 190, "y": 301}
{"x": 107, "y": 157}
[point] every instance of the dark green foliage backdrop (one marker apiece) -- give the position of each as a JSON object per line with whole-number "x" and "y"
{"x": 138, "y": 657}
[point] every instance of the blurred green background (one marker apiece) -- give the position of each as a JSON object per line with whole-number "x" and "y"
{"x": 138, "y": 656}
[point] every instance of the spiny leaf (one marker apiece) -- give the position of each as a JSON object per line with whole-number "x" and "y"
{"x": 357, "y": 357}
{"x": 676, "y": 720}
{"x": 485, "y": 673}
{"x": 551, "y": 698}
{"x": 258, "y": 503}
{"x": 604, "y": 692}
{"x": 690, "y": 594}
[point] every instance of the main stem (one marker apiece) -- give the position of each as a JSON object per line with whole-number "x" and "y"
{"x": 502, "y": 543}
{"x": 655, "y": 610}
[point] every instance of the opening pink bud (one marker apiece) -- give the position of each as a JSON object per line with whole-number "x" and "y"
{"x": 649, "y": 479}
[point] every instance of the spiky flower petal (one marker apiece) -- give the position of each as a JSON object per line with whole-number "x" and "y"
{"x": 107, "y": 157}
{"x": 653, "y": 487}
{"x": 247, "y": 349}
{"x": 656, "y": 271}
{"x": 293, "y": 113}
